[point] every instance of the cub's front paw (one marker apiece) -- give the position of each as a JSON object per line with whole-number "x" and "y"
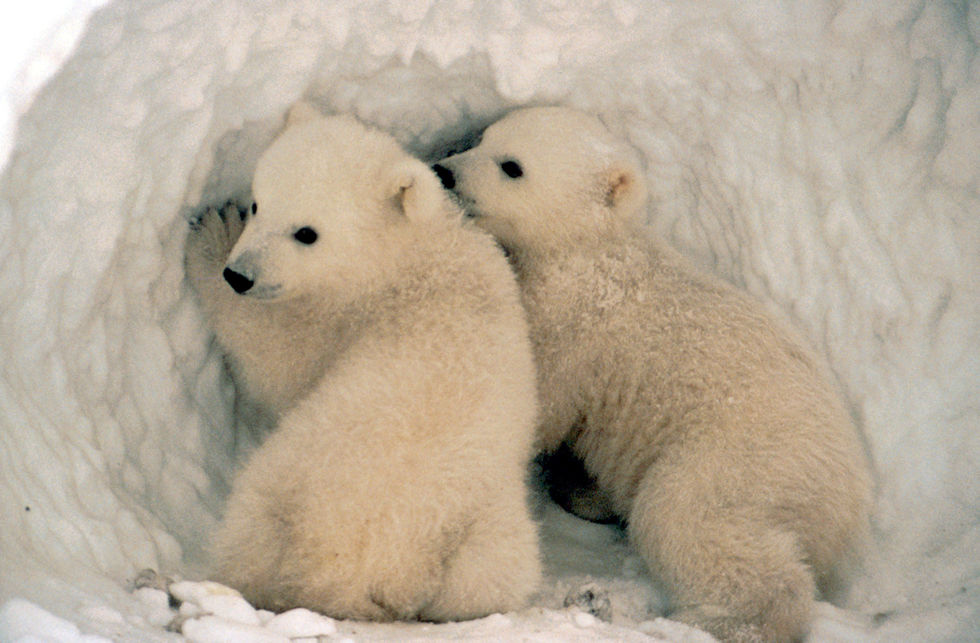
{"x": 214, "y": 233}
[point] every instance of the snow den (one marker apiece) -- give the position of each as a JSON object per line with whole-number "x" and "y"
{"x": 824, "y": 156}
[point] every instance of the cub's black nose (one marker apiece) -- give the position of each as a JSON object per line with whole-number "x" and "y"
{"x": 445, "y": 175}
{"x": 239, "y": 282}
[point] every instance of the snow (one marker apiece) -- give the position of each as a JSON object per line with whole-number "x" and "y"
{"x": 299, "y": 622}
{"x": 821, "y": 155}
{"x": 215, "y": 629}
{"x": 24, "y": 621}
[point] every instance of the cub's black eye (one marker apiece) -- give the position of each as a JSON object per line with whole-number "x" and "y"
{"x": 306, "y": 235}
{"x": 512, "y": 169}
{"x": 255, "y": 207}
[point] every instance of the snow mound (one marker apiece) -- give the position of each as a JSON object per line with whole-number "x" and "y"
{"x": 822, "y": 155}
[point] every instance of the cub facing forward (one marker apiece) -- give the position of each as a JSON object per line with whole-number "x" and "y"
{"x": 709, "y": 427}
{"x": 393, "y": 485}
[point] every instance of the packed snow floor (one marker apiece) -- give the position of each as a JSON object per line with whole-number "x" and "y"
{"x": 822, "y": 155}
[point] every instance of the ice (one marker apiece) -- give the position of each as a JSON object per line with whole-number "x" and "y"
{"x": 265, "y": 616}
{"x": 822, "y": 155}
{"x": 153, "y": 597}
{"x": 214, "y": 629}
{"x": 24, "y": 622}
{"x": 198, "y": 592}
{"x": 297, "y": 623}
{"x": 159, "y": 614}
{"x": 584, "y": 619}
{"x": 36, "y": 43}
{"x": 232, "y": 608}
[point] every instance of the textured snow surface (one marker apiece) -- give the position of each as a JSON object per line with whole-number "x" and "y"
{"x": 823, "y": 155}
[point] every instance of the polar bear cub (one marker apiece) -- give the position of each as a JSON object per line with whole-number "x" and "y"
{"x": 709, "y": 426}
{"x": 392, "y": 345}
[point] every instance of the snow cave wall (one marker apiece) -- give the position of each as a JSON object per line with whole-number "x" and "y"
{"x": 823, "y": 155}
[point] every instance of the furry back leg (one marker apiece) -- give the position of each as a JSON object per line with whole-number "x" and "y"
{"x": 727, "y": 571}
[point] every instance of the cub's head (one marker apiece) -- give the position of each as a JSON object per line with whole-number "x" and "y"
{"x": 330, "y": 198}
{"x": 546, "y": 175}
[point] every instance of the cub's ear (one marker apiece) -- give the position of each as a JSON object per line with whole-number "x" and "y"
{"x": 301, "y": 112}
{"x": 624, "y": 189}
{"x": 416, "y": 192}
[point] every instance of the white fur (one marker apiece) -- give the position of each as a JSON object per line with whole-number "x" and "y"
{"x": 708, "y": 425}
{"x": 393, "y": 355}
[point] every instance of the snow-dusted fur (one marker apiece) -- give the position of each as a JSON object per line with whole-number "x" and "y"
{"x": 717, "y": 435}
{"x": 389, "y": 342}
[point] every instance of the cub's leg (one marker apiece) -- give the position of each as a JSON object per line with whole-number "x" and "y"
{"x": 492, "y": 567}
{"x": 252, "y": 541}
{"x": 281, "y": 548}
{"x": 239, "y": 323}
{"x": 727, "y": 570}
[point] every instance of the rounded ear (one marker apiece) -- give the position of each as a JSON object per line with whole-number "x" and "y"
{"x": 416, "y": 192}
{"x": 625, "y": 190}
{"x": 301, "y": 112}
